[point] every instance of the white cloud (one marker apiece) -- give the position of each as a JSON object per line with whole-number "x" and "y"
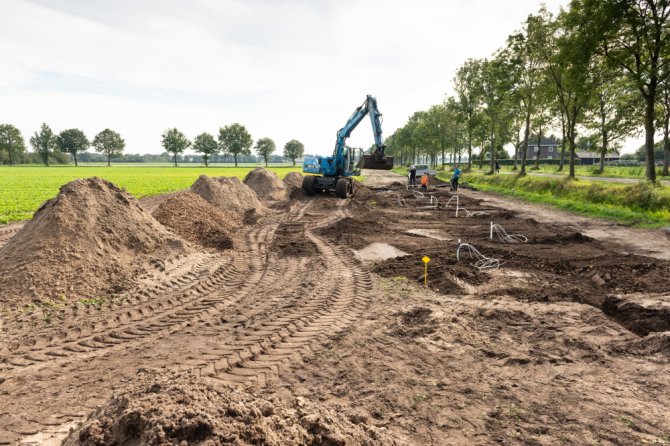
{"x": 285, "y": 69}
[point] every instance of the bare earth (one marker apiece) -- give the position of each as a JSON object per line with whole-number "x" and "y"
{"x": 568, "y": 342}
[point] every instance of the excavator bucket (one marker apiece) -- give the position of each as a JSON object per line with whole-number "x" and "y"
{"x": 372, "y": 162}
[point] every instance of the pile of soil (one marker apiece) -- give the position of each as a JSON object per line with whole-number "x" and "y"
{"x": 266, "y": 184}
{"x": 172, "y": 409}
{"x": 229, "y": 194}
{"x": 193, "y": 218}
{"x": 91, "y": 239}
{"x": 293, "y": 179}
{"x": 350, "y": 231}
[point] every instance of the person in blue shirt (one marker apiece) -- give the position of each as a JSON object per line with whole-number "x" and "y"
{"x": 454, "y": 178}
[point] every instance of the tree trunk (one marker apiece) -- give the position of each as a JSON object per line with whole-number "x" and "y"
{"x": 666, "y": 140}
{"x": 481, "y": 157}
{"x": 526, "y": 137}
{"x": 562, "y": 161}
{"x": 45, "y": 158}
{"x": 175, "y": 159}
{"x": 291, "y": 158}
{"x": 493, "y": 157}
{"x": 109, "y": 160}
{"x": 469, "y": 148}
{"x": 9, "y": 152}
{"x": 516, "y": 151}
{"x": 539, "y": 148}
{"x": 603, "y": 152}
{"x": 75, "y": 159}
{"x": 571, "y": 137}
{"x": 235, "y": 157}
{"x": 206, "y": 160}
{"x": 649, "y": 116}
{"x": 266, "y": 161}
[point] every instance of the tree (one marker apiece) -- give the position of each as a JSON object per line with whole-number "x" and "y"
{"x": 72, "y": 141}
{"x": 294, "y": 149}
{"x": 110, "y": 143}
{"x": 469, "y": 98}
{"x": 635, "y": 36}
{"x": 235, "y": 140}
{"x": 664, "y": 123}
{"x": 265, "y": 147}
{"x": 570, "y": 54}
{"x": 526, "y": 52}
{"x": 613, "y": 114}
{"x": 44, "y": 143}
{"x": 11, "y": 141}
{"x": 175, "y": 142}
{"x": 206, "y": 144}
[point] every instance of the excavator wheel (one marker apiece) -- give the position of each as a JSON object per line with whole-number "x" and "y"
{"x": 342, "y": 188}
{"x": 308, "y": 184}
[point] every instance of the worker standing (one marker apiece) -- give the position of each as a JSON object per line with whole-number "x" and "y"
{"x": 412, "y": 175}
{"x": 454, "y": 178}
{"x": 424, "y": 181}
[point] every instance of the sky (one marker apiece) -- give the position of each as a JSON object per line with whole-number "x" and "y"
{"x": 285, "y": 69}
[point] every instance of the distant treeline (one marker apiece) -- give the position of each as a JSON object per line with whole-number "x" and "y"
{"x": 233, "y": 145}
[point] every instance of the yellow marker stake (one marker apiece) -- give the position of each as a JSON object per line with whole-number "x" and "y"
{"x": 425, "y": 259}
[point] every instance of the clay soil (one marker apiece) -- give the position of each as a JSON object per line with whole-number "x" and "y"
{"x": 286, "y": 337}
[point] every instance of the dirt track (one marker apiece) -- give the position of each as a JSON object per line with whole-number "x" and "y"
{"x": 537, "y": 352}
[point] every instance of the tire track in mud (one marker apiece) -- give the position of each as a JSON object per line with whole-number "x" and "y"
{"x": 265, "y": 311}
{"x": 155, "y": 313}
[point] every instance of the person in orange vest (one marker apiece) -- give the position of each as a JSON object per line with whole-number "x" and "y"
{"x": 424, "y": 181}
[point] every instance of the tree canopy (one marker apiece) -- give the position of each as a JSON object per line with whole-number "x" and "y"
{"x": 293, "y": 150}
{"x": 234, "y": 139}
{"x": 206, "y": 144}
{"x": 11, "y": 142}
{"x": 72, "y": 141}
{"x": 109, "y": 143}
{"x": 175, "y": 142}
{"x": 265, "y": 147}
{"x": 44, "y": 143}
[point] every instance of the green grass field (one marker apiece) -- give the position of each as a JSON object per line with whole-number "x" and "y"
{"x": 642, "y": 204}
{"x": 24, "y": 188}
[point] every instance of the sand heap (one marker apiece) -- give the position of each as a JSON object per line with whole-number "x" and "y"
{"x": 229, "y": 194}
{"x": 266, "y": 184}
{"x": 193, "y": 218}
{"x": 173, "y": 409}
{"x": 293, "y": 179}
{"x": 91, "y": 239}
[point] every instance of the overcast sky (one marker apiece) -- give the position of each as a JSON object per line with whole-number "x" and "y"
{"x": 283, "y": 68}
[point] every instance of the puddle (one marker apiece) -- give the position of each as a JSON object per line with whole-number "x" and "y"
{"x": 430, "y": 233}
{"x": 378, "y": 251}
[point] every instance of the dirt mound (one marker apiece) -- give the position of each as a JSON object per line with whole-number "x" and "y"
{"x": 173, "y": 409}
{"x": 91, "y": 239}
{"x": 229, "y": 194}
{"x": 293, "y": 179}
{"x": 266, "y": 184}
{"x": 192, "y": 217}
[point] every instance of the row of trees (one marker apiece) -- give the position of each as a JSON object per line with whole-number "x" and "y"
{"x": 45, "y": 143}
{"x": 233, "y": 139}
{"x": 600, "y": 69}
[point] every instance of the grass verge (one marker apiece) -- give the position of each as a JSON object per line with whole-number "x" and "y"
{"x": 641, "y": 205}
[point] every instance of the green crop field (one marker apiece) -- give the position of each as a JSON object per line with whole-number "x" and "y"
{"x": 24, "y": 188}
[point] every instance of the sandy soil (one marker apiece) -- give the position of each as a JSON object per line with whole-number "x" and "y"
{"x": 566, "y": 343}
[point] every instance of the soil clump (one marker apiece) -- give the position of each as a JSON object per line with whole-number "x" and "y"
{"x": 173, "y": 408}
{"x": 266, "y": 184}
{"x": 193, "y": 218}
{"x": 229, "y": 194}
{"x": 293, "y": 179}
{"x": 292, "y": 241}
{"x": 92, "y": 238}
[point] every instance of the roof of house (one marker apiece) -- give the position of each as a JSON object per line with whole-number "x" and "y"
{"x": 584, "y": 154}
{"x": 544, "y": 142}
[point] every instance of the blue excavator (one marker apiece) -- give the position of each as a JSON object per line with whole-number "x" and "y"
{"x": 335, "y": 172}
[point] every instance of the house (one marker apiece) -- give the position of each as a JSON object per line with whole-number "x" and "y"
{"x": 591, "y": 158}
{"x": 549, "y": 149}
